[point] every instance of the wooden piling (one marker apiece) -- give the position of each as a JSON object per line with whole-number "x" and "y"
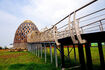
{"x": 45, "y": 52}
{"x": 81, "y": 56}
{"x": 62, "y": 56}
{"x": 101, "y": 55}
{"x": 88, "y": 57}
{"x": 41, "y": 50}
{"x": 56, "y": 60}
{"x": 51, "y": 53}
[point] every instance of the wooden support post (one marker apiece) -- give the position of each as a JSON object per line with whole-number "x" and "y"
{"x": 56, "y": 61}
{"x": 68, "y": 53}
{"x": 74, "y": 53}
{"x": 62, "y": 56}
{"x": 34, "y": 50}
{"x": 41, "y": 50}
{"x": 51, "y": 53}
{"x": 30, "y": 47}
{"x": 46, "y": 49}
{"x": 101, "y": 55}
{"x": 81, "y": 56}
{"x": 45, "y": 52}
{"x": 38, "y": 49}
{"x": 88, "y": 56}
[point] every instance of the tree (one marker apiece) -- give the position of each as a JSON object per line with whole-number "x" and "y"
{"x": 1, "y": 47}
{"x": 5, "y": 47}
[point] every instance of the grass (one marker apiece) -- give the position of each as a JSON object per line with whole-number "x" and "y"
{"x": 94, "y": 54}
{"x": 28, "y": 61}
{"x": 23, "y": 61}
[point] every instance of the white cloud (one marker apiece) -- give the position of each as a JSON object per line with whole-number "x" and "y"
{"x": 4, "y": 17}
{"x": 41, "y": 12}
{"x": 48, "y": 12}
{"x": 7, "y": 27}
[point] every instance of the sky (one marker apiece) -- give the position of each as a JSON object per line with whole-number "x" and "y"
{"x": 44, "y": 13}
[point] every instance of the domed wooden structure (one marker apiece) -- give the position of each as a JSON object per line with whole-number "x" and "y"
{"x": 20, "y": 39}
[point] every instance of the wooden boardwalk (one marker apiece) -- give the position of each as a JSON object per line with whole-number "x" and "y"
{"x": 77, "y": 31}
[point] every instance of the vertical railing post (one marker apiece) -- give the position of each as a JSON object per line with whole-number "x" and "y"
{"x": 100, "y": 26}
{"x": 82, "y": 30}
{"x": 101, "y": 55}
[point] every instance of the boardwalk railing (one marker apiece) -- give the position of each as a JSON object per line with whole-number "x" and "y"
{"x": 90, "y": 23}
{"x": 71, "y": 30}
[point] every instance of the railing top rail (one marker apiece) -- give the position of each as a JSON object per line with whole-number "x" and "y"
{"x": 86, "y": 16}
{"x": 72, "y": 13}
{"x": 92, "y": 23}
{"x": 91, "y": 13}
{"x": 75, "y": 11}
